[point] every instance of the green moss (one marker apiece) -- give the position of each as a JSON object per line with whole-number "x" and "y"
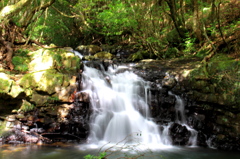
{"x": 28, "y": 81}
{"x": 21, "y": 60}
{"x": 222, "y": 80}
{"x": 5, "y": 83}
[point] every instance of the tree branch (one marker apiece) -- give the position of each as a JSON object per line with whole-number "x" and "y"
{"x": 8, "y": 11}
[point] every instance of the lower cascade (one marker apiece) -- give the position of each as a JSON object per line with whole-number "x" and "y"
{"x": 120, "y": 112}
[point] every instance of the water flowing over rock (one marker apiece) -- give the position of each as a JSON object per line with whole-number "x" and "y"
{"x": 207, "y": 111}
{"x": 119, "y": 108}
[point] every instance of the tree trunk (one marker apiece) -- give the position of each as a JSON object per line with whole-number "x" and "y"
{"x": 175, "y": 17}
{"x": 196, "y": 21}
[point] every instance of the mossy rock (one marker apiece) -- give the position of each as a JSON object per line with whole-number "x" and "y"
{"x": 88, "y": 49}
{"x": 29, "y": 81}
{"x": 16, "y": 90}
{"x": 42, "y": 60}
{"x": 26, "y": 106}
{"x": 58, "y": 59}
{"x": 220, "y": 83}
{"x": 45, "y": 81}
{"x": 103, "y": 55}
{"x": 70, "y": 63}
{"x": 39, "y": 100}
{"x": 5, "y": 83}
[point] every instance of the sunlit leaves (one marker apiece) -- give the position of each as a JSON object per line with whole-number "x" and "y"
{"x": 117, "y": 18}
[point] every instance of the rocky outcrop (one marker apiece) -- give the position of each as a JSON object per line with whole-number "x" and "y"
{"x": 210, "y": 93}
{"x": 42, "y": 101}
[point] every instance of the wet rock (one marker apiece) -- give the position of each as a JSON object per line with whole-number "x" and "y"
{"x": 82, "y": 97}
{"x": 169, "y": 82}
{"x": 180, "y": 134}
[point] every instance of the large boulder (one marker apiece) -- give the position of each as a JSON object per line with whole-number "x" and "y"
{"x": 8, "y": 87}
{"x": 58, "y": 59}
{"x": 44, "y": 81}
{"x": 51, "y": 77}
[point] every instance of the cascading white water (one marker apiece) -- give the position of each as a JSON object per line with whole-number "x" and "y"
{"x": 181, "y": 119}
{"x": 120, "y": 110}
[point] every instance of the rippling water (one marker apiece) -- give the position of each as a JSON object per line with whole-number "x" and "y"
{"x": 78, "y": 152}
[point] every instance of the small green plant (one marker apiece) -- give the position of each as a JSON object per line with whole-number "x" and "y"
{"x": 189, "y": 45}
{"x": 102, "y": 155}
{"x": 53, "y": 99}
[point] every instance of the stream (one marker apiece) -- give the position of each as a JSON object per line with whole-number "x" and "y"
{"x": 77, "y": 152}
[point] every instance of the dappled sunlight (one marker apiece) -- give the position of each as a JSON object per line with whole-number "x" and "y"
{"x": 42, "y": 63}
{"x": 6, "y": 10}
{"x": 37, "y": 76}
{"x": 4, "y": 76}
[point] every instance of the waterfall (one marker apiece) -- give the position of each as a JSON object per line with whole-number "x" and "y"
{"x": 120, "y": 109}
{"x": 181, "y": 119}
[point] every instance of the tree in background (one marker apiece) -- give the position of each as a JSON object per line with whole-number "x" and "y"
{"x": 9, "y": 31}
{"x": 162, "y": 28}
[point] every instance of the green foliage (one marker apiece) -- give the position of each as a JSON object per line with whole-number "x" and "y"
{"x": 171, "y": 53}
{"x": 189, "y": 45}
{"x": 53, "y": 99}
{"x": 20, "y": 63}
{"x": 22, "y": 52}
{"x": 102, "y": 155}
{"x": 140, "y": 55}
{"x": 52, "y": 27}
{"x": 117, "y": 18}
